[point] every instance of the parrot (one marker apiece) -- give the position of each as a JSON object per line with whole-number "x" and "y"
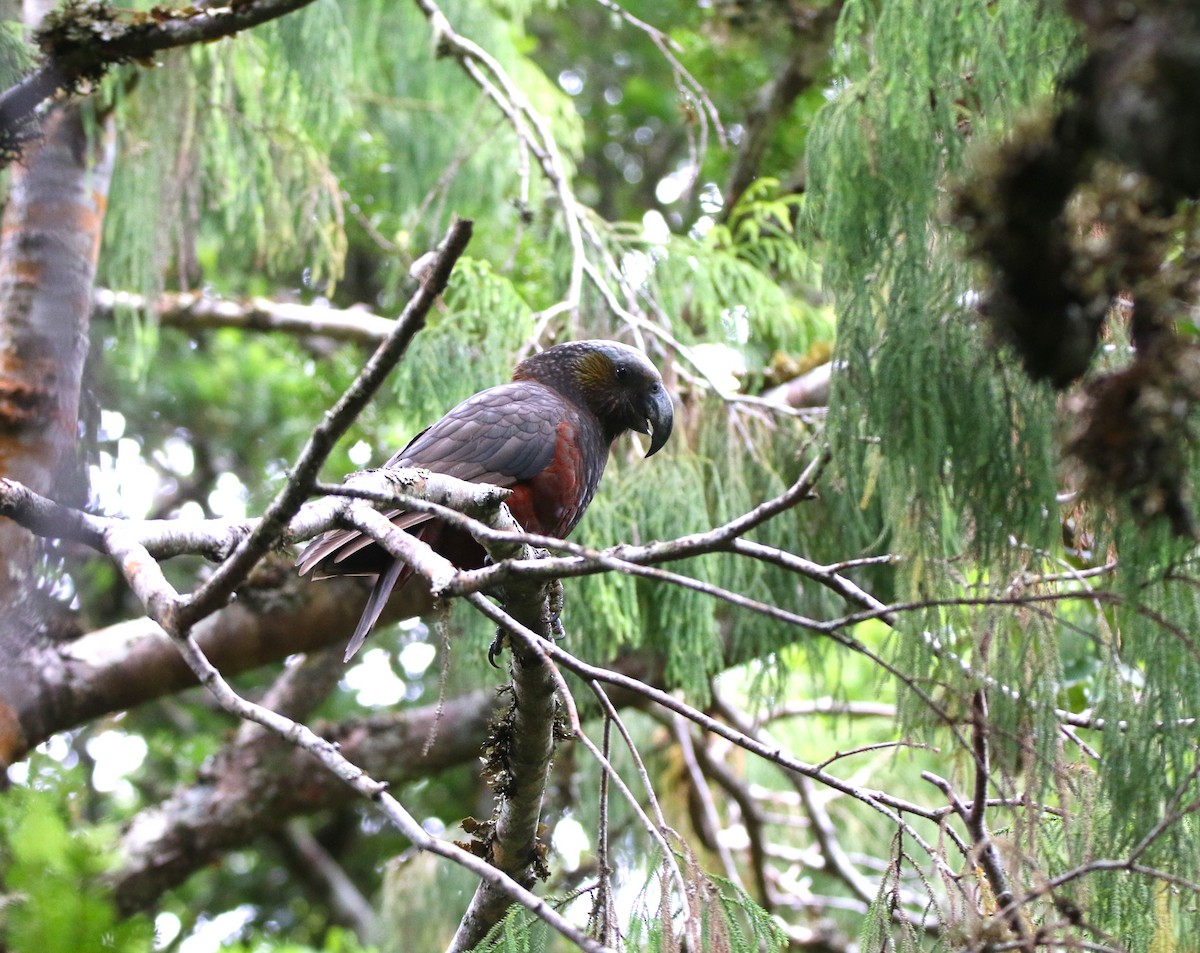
{"x": 545, "y": 436}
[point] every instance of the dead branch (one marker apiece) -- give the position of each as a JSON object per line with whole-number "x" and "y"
{"x": 197, "y": 311}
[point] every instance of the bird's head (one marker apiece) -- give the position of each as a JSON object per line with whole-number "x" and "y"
{"x": 616, "y": 382}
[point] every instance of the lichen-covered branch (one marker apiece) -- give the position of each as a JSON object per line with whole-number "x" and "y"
{"x": 82, "y": 41}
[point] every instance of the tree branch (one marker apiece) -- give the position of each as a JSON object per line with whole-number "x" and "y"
{"x": 519, "y": 763}
{"x": 82, "y": 42}
{"x": 195, "y": 311}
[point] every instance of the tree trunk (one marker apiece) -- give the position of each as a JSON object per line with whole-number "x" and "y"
{"x": 49, "y": 242}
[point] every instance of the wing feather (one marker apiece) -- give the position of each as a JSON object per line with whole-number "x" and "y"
{"x": 503, "y": 436}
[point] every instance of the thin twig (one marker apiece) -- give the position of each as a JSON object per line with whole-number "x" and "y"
{"x": 148, "y": 583}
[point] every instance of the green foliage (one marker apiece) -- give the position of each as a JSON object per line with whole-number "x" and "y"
{"x": 142, "y": 227}
{"x": 335, "y": 941}
{"x": 934, "y": 437}
{"x": 426, "y": 143}
{"x": 739, "y": 922}
{"x": 707, "y": 486}
{"x": 271, "y": 105}
{"x": 729, "y": 921}
{"x": 52, "y": 862}
{"x": 878, "y": 932}
{"x": 944, "y": 435}
{"x": 748, "y": 282}
{"x": 14, "y": 54}
{"x": 465, "y": 347}
{"x": 226, "y": 145}
{"x": 924, "y": 415}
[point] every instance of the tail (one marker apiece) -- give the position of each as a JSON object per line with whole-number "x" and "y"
{"x": 384, "y": 584}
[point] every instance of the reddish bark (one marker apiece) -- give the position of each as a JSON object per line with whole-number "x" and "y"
{"x": 49, "y": 242}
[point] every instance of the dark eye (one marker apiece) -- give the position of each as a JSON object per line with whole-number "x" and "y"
{"x": 622, "y": 372}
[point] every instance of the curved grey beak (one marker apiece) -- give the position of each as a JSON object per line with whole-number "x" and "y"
{"x": 660, "y": 418}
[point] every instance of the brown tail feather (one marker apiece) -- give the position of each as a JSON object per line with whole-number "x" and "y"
{"x": 384, "y": 584}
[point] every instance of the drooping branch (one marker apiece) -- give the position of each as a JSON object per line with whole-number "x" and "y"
{"x": 592, "y": 257}
{"x": 533, "y": 135}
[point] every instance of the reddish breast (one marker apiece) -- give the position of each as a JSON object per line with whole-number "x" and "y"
{"x": 552, "y": 501}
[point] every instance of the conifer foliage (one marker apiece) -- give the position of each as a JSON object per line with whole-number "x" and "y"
{"x": 893, "y": 647}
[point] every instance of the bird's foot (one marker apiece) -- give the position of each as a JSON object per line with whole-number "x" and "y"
{"x": 554, "y": 603}
{"x": 497, "y": 647}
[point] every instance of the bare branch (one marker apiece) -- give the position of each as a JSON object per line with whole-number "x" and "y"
{"x": 603, "y": 917}
{"x": 975, "y": 816}
{"x": 344, "y": 898}
{"x": 877, "y": 746}
{"x": 196, "y": 311}
{"x": 1085, "y": 719}
{"x": 709, "y": 818}
{"x": 753, "y": 818}
{"x": 658, "y": 830}
{"x": 830, "y": 706}
{"x": 332, "y": 760}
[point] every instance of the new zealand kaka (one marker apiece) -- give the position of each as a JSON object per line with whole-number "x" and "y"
{"x": 545, "y": 436}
